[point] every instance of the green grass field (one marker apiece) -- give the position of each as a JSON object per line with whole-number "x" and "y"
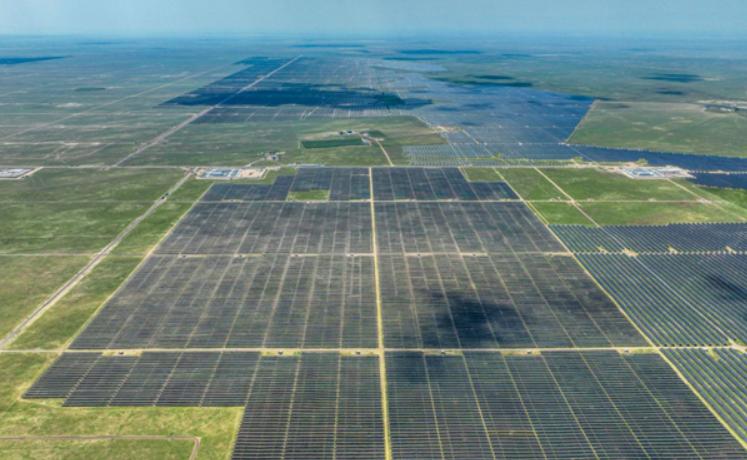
{"x": 531, "y": 185}
{"x": 76, "y": 211}
{"x": 120, "y": 449}
{"x": 64, "y": 227}
{"x": 560, "y": 213}
{"x": 482, "y": 175}
{"x": 600, "y": 185}
{"x": 332, "y": 143}
{"x": 28, "y": 281}
{"x": 659, "y": 213}
{"x": 65, "y": 185}
{"x": 637, "y": 213}
{"x": 685, "y": 128}
{"x": 59, "y": 324}
{"x": 310, "y": 195}
{"x": 227, "y": 144}
{"x": 734, "y": 197}
{"x": 152, "y": 229}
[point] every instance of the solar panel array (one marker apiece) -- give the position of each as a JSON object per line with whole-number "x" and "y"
{"x": 506, "y": 300}
{"x": 460, "y": 227}
{"x": 63, "y": 376}
{"x": 519, "y": 124}
{"x": 458, "y": 269}
{"x": 678, "y": 299}
{"x": 516, "y": 123}
{"x": 305, "y": 89}
{"x": 733, "y": 181}
{"x": 719, "y": 376}
{"x": 277, "y": 227}
{"x": 195, "y": 379}
{"x": 477, "y": 404}
{"x": 558, "y": 405}
{"x": 325, "y": 301}
{"x": 654, "y": 238}
{"x": 689, "y": 162}
{"x": 434, "y": 184}
{"x": 313, "y": 406}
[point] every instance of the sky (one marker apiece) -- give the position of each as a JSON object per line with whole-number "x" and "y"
{"x": 654, "y": 18}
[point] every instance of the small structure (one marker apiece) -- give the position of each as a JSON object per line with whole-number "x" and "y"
{"x": 14, "y": 173}
{"x": 231, "y": 173}
{"x": 655, "y": 173}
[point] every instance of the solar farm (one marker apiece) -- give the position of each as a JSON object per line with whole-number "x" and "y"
{"x": 464, "y": 285}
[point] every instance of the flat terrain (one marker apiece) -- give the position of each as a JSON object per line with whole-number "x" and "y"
{"x": 463, "y": 284}
{"x": 240, "y": 144}
{"x": 663, "y": 127}
{"x": 76, "y": 211}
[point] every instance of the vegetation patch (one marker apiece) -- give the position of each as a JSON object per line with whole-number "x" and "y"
{"x": 95, "y": 449}
{"x": 678, "y": 128}
{"x": 659, "y": 213}
{"x": 331, "y": 143}
{"x": 560, "y": 213}
{"x": 600, "y": 185}
{"x": 531, "y": 185}
{"x": 153, "y": 228}
{"x": 58, "y": 325}
{"x": 28, "y": 281}
{"x": 309, "y": 195}
{"x": 482, "y": 175}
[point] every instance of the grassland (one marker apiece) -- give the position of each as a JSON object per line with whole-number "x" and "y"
{"x": 215, "y": 426}
{"x": 482, "y": 174}
{"x": 28, "y": 281}
{"x": 560, "y": 213}
{"x": 611, "y": 213}
{"x": 734, "y": 197}
{"x": 71, "y": 228}
{"x": 530, "y": 184}
{"x": 600, "y": 185}
{"x": 58, "y": 325}
{"x": 331, "y": 143}
{"x": 240, "y": 144}
{"x": 661, "y": 71}
{"x": 65, "y": 185}
{"x": 609, "y": 198}
{"x": 310, "y": 195}
{"x": 120, "y": 449}
{"x": 659, "y": 213}
{"x": 665, "y": 127}
{"x": 76, "y": 211}
{"x": 152, "y": 229}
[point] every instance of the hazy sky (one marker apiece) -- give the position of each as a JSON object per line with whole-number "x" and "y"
{"x": 362, "y": 17}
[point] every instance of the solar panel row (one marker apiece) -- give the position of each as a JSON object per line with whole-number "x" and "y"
{"x": 733, "y": 181}
{"x": 678, "y": 299}
{"x": 313, "y": 406}
{"x": 411, "y": 227}
{"x": 505, "y": 300}
{"x": 240, "y": 302}
{"x": 557, "y": 405}
{"x": 277, "y": 227}
{"x": 654, "y": 238}
{"x": 719, "y": 376}
{"x": 434, "y": 184}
